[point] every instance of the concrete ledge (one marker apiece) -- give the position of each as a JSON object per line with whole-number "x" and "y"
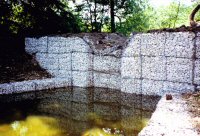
{"x": 32, "y": 85}
{"x": 171, "y": 118}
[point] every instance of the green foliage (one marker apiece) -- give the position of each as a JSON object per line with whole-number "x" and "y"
{"x": 174, "y": 15}
{"x": 135, "y": 19}
{"x": 56, "y": 16}
{"x": 97, "y": 16}
{"x": 146, "y": 18}
{"x": 37, "y": 17}
{"x": 4, "y": 15}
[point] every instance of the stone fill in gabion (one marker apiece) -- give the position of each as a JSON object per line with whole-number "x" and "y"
{"x": 151, "y": 63}
{"x": 166, "y": 62}
{"x": 32, "y": 85}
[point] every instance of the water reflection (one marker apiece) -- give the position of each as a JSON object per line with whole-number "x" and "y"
{"x": 32, "y": 126}
{"x": 75, "y": 112}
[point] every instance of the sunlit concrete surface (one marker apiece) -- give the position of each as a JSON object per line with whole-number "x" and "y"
{"x": 171, "y": 118}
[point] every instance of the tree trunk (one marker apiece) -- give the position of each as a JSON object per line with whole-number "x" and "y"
{"x": 102, "y": 17}
{"x": 177, "y": 13}
{"x": 95, "y": 17}
{"x": 90, "y": 14}
{"x": 112, "y": 15}
{"x": 192, "y": 15}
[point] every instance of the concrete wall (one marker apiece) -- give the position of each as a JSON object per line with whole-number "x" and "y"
{"x": 171, "y": 118}
{"x": 151, "y": 63}
{"x": 32, "y": 85}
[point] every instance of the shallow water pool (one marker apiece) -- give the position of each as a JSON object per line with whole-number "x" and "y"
{"x": 75, "y": 112}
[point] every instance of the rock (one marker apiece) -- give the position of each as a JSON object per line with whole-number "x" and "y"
{"x": 168, "y": 97}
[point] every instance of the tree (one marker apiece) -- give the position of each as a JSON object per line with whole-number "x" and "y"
{"x": 192, "y": 15}
{"x": 106, "y": 14}
{"x": 136, "y": 17}
{"x": 171, "y": 16}
{"x": 112, "y": 15}
{"x": 38, "y": 17}
{"x": 4, "y": 15}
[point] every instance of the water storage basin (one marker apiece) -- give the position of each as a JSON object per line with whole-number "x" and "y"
{"x": 75, "y": 112}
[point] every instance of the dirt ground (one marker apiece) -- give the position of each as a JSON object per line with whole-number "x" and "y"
{"x": 182, "y": 28}
{"x": 193, "y": 101}
{"x": 19, "y": 66}
{"x": 102, "y": 40}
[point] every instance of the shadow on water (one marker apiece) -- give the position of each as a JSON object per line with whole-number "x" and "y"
{"x": 75, "y": 112}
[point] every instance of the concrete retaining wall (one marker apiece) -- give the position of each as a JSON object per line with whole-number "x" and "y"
{"x": 32, "y": 85}
{"x": 171, "y": 118}
{"x": 151, "y": 63}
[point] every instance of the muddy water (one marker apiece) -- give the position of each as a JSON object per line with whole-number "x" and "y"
{"x": 75, "y": 112}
